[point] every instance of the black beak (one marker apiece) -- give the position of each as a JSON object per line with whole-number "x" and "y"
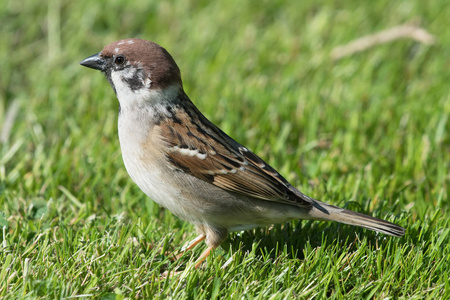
{"x": 94, "y": 62}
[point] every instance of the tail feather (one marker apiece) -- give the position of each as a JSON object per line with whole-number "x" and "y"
{"x": 327, "y": 212}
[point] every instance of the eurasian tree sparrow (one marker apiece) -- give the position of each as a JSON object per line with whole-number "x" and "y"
{"x": 188, "y": 165}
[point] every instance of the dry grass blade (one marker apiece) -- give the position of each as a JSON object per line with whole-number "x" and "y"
{"x": 395, "y": 33}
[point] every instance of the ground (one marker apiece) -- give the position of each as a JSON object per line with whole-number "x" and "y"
{"x": 369, "y": 132}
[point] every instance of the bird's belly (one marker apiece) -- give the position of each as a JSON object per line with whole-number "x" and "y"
{"x": 155, "y": 184}
{"x": 195, "y": 200}
{"x": 199, "y": 202}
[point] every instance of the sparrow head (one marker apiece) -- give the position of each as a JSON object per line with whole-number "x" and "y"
{"x": 136, "y": 67}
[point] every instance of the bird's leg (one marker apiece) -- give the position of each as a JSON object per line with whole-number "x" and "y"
{"x": 185, "y": 248}
{"x": 214, "y": 237}
{"x": 203, "y": 256}
{"x": 191, "y": 245}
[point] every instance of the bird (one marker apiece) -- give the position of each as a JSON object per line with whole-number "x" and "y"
{"x": 188, "y": 165}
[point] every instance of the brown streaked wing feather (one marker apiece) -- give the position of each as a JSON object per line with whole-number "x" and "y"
{"x": 198, "y": 147}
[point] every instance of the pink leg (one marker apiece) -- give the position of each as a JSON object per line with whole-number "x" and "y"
{"x": 194, "y": 242}
{"x": 204, "y": 255}
{"x": 191, "y": 245}
{"x": 198, "y": 262}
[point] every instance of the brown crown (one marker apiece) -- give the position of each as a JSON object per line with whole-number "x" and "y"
{"x": 151, "y": 57}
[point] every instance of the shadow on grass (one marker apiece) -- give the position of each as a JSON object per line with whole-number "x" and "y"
{"x": 291, "y": 239}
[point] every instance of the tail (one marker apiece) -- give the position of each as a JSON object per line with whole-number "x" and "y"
{"x": 327, "y": 212}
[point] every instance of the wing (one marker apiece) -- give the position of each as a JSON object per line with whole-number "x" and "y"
{"x": 196, "y": 146}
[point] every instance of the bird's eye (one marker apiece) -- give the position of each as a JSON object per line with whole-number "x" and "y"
{"x": 119, "y": 60}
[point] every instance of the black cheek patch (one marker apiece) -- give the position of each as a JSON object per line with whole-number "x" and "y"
{"x": 136, "y": 81}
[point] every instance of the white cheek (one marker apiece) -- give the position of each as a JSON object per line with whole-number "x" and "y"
{"x": 128, "y": 97}
{"x": 140, "y": 98}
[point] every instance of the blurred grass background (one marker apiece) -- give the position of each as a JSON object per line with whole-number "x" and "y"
{"x": 369, "y": 132}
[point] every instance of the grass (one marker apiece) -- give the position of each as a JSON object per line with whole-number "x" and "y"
{"x": 369, "y": 132}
